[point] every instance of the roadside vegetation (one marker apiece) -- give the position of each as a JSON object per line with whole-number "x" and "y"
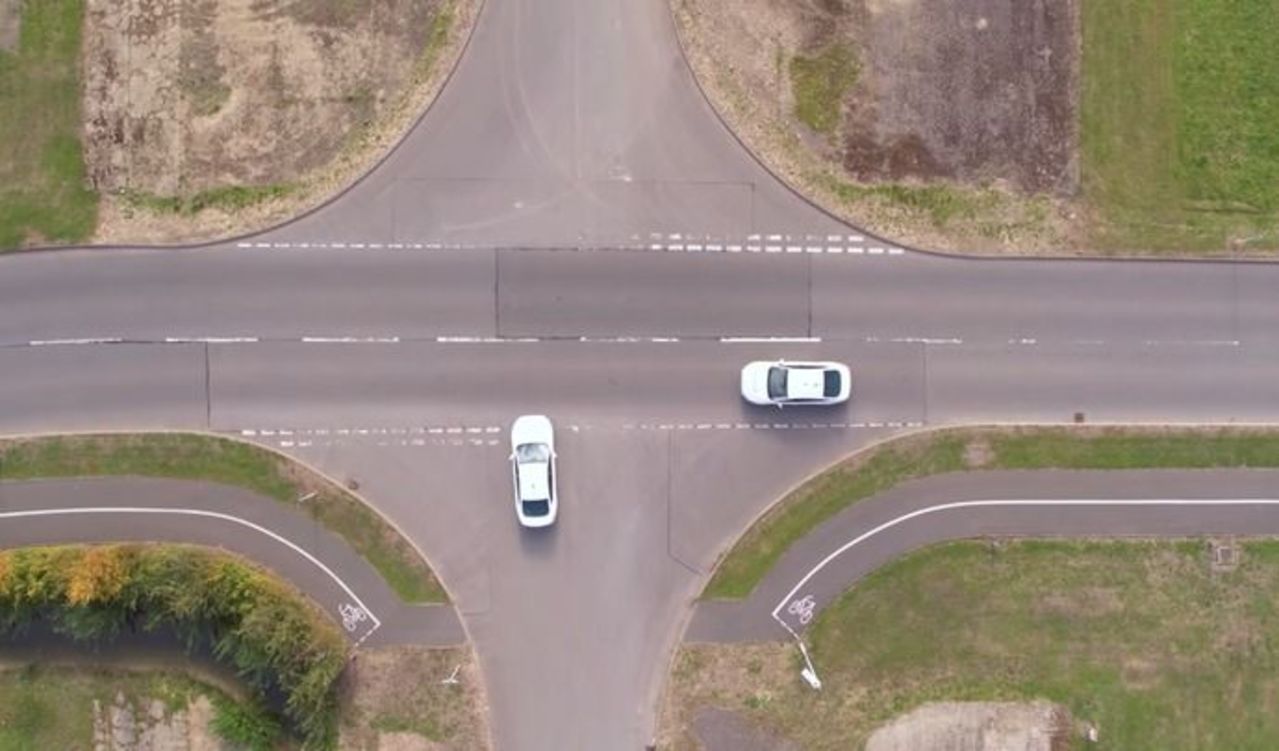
{"x": 1178, "y": 112}
{"x": 1147, "y": 642}
{"x": 276, "y": 640}
{"x": 72, "y": 707}
{"x": 220, "y": 460}
{"x": 819, "y": 83}
{"x": 970, "y": 449}
{"x": 43, "y": 194}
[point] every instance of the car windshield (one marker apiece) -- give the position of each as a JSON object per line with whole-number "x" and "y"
{"x": 537, "y": 508}
{"x": 832, "y": 384}
{"x": 776, "y": 383}
{"x": 532, "y": 452}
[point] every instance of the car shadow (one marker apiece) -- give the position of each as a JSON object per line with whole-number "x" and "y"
{"x": 539, "y": 542}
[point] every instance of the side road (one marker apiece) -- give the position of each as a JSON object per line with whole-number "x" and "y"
{"x": 136, "y": 509}
{"x": 1039, "y": 503}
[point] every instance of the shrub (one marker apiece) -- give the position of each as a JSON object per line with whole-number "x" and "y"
{"x": 275, "y": 638}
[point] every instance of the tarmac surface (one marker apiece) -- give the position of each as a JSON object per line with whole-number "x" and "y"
{"x": 571, "y": 231}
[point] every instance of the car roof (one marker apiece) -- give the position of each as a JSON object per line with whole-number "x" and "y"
{"x": 534, "y": 479}
{"x": 805, "y": 383}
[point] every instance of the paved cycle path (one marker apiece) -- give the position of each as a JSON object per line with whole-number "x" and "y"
{"x": 1041, "y": 503}
{"x": 289, "y": 543}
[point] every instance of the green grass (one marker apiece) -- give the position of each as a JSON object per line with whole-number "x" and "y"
{"x": 819, "y": 83}
{"x": 1178, "y": 107}
{"x": 981, "y": 211}
{"x": 43, "y": 196}
{"x": 819, "y": 499}
{"x": 198, "y": 457}
{"x": 226, "y": 198}
{"x": 52, "y": 707}
{"x": 1141, "y": 639}
{"x": 437, "y": 37}
{"x": 425, "y": 727}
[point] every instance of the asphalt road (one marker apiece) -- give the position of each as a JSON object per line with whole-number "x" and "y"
{"x": 571, "y": 231}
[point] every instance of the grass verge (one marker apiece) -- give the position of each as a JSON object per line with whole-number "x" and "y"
{"x": 880, "y": 468}
{"x": 43, "y": 195}
{"x": 1144, "y": 640}
{"x": 226, "y": 198}
{"x": 213, "y": 459}
{"x": 1177, "y": 112}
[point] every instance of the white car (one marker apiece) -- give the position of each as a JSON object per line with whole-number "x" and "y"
{"x": 533, "y": 467}
{"x": 784, "y": 383}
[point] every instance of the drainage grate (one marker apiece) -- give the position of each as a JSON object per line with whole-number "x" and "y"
{"x": 1224, "y": 554}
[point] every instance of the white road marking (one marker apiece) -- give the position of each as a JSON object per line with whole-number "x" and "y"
{"x": 350, "y": 340}
{"x": 61, "y": 342}
{"x": 211, "y": 340}
{"x": 770, "y": 339}
{"x": 80, "y": 511}
{"x": 1086, "y": 502}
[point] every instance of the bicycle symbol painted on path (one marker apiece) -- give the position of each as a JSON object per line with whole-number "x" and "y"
{"x": 352, "y": 615}
{"x": 803, "y": 609}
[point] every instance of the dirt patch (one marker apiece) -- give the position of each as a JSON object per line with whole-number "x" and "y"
{"x": 1081, "y": 602}
{"x": 124, "y": 725}
{"x": 721, "y": 730}
{"x": 978, "y": 453}
{"x": 977, "y": 726}
{"x": 413, "y": 699}
{"x": 209, "y": 117}
{"x": 958, "y": 129}
{"x": 10, "y": 24}
{"x": 978, "y": 90}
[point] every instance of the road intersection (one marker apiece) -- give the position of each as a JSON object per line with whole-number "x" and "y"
{"x": 530, "y": 248}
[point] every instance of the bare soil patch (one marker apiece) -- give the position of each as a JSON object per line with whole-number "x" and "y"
{"x": 978, "y": 90}
{"x": 977, "y": 726}
{"x": 723, "y": 730}
{"x": 150, "y": 725}
{"x": 957, "y": 129}
{"x": 10, "y": 24}
{"x": 413, "y": 699}
{"x": 210, "y": 117}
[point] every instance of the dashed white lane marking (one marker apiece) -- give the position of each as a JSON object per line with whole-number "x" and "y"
{"x": 342, "y": 612}
{"x": 350, "y": 340}
{"x": 674, "y": 242}
{"x": 794, "y": 594}
{"x": 211, "y": 340}
{"x": 64, "y": 342}
{"x": 1023, "y": 341}
{"x": 484, "y": 435}
{"x": 771, "y": 339}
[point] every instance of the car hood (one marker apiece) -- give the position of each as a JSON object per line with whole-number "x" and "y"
{"x": 755, "y": 380}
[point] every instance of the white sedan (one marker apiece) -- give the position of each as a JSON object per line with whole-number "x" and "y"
{"x": 533, "y": 467}
{"x": 784, "y": 383}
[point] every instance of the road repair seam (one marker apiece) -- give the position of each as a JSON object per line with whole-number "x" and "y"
{"x": 846, "y": 245}
{"x": 349, "y": 616}
{"x": 805, "y": 607}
